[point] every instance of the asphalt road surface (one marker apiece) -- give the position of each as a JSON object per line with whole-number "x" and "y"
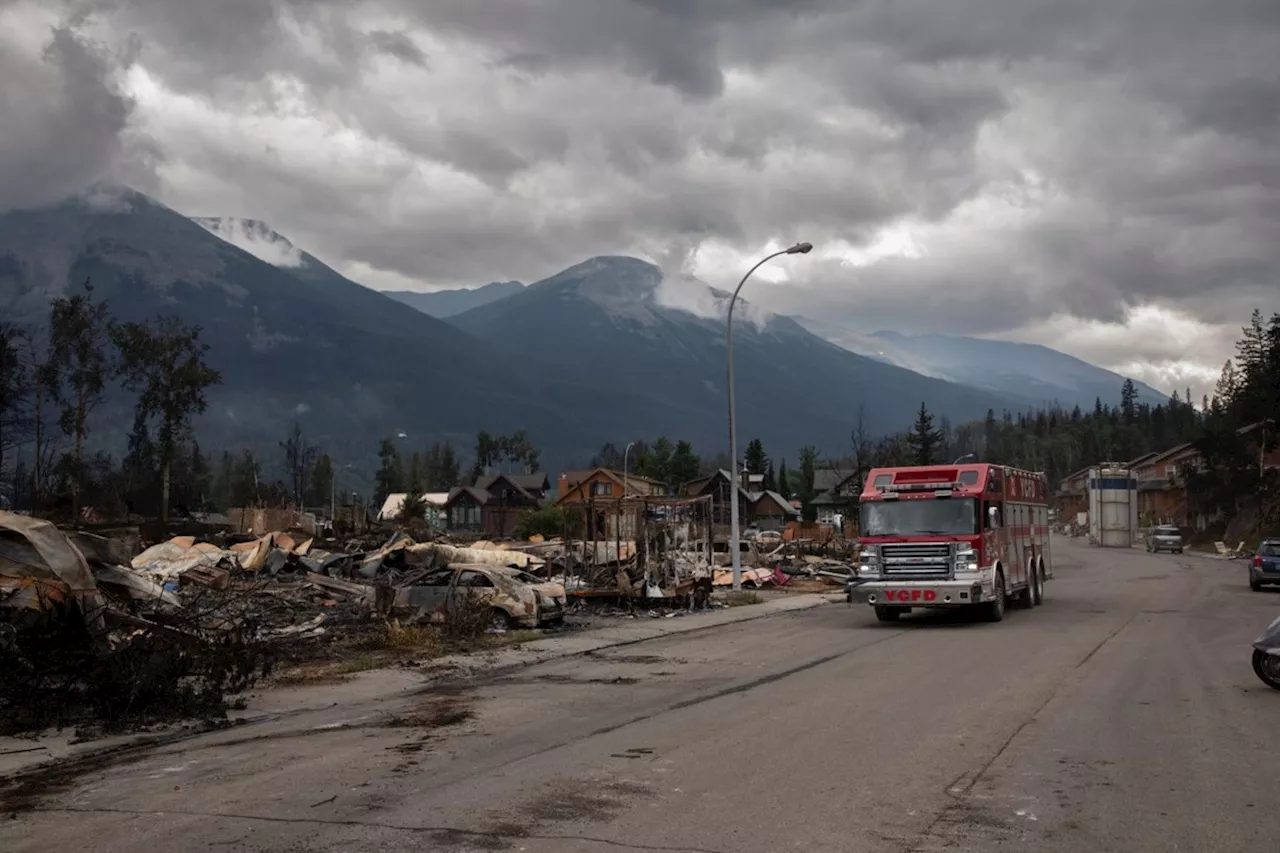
{"x": 1121, "y": 716}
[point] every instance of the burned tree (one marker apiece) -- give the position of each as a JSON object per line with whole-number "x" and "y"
{"x": 300, "y": 458}
{"x": 164, "y": 362}
{"x": 15, "y": 394}
{"x": 390, "y": 475}
{"x": 43, "y": 372}
{"x": 78, "y": 367}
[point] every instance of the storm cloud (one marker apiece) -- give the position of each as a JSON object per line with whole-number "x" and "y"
{"x": 1081, "y": 174}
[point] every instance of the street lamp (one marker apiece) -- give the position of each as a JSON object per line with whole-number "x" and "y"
{"x": 624, "y": 467}
{"x": 797, "y": 249}
{"x": 965, "y": 457}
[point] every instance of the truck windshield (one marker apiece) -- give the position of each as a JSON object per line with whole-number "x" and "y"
{"x": 929, "y": 517}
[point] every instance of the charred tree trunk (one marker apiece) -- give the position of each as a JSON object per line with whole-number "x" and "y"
{"x": 77, "y": 481}
{"x": 164, "y": 491}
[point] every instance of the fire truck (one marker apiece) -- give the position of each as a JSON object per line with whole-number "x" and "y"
{"x": 950, "y": 536}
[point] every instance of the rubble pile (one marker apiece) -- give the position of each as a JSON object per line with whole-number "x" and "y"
{"x": 88, "y": 629}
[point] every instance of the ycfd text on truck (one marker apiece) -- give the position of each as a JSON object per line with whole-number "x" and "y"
{"x": 952, "y": 536}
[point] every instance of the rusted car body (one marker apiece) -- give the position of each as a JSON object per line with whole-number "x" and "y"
{"x": 516, "y": 597}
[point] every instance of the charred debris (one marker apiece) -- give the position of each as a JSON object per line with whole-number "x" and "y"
{"x": 100, "y": 630}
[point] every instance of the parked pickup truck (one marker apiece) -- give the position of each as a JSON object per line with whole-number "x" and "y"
{"x": 1264, "y": 566}
{"x": 1165, "y": 537}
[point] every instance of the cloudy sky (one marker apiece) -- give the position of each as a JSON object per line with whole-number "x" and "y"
{"x": 1102, "y": 176}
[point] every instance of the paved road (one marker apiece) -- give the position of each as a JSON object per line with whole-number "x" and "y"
{"x": 1121, "y": 716}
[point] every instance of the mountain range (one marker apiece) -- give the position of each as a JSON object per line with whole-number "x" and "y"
{"x": 1031, "y": 374}
{"x": 446, "y": 303}
{"x": 296, "y": 341}
{"x": 607, "y": 350}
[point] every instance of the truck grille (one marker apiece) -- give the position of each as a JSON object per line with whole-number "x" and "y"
{"x": 909, "y": 558}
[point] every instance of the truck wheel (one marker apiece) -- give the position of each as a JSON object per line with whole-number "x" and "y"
{"x": 1038, "y": 595}
{"x": 887, "y": 614}
{"x": 995, "y": 607}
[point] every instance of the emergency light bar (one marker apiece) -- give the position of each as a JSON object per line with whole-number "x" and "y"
{"x": 921, "y": 487}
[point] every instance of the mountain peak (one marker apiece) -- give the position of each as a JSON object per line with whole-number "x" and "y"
{"x": 606, "y": 275}
{"x": 634, "y": 289}
{"x": 623, "y": 287}
{"x": 255, "y": 237}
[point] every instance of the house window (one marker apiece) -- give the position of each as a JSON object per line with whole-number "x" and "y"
{"x": 1171, "y": 472}
{"x": 601, "y": 489}
{"x": 465, "y": 515}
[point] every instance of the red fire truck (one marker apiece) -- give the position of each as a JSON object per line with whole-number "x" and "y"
{"x": 972, "y": 535}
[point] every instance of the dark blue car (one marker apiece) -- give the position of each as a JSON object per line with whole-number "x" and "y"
{"x": 1264, "y": 567}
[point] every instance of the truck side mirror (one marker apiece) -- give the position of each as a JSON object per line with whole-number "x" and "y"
{"x": 993, "y": 516}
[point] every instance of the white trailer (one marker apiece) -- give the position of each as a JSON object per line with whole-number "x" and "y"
{"x": 1113, "y": 507}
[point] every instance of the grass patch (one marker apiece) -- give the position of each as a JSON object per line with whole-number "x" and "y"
{"x": 514, "y": 638}
{"x": 334, "y": 671}
{"x": 418, "y": 640}
{"x": 742, "y": 598}
{"x": 379, "y": 648}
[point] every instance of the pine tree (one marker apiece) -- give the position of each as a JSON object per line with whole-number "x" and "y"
{"x": 991, "y": 437}
{"x": 1129, "y": 401}
{"x": 784, "y": 487}
{"x": 655, "y": 462}
{"x": 924, "y": 440}
{"x": 1227, "y": 392}
{"x": 755, "y": 459}
{"x": 684, "y": 464}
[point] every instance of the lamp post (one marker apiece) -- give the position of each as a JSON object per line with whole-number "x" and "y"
{"x": 734, "y": 545}
{"x": 630, "y": 445}
{"x": 964, "y": 458}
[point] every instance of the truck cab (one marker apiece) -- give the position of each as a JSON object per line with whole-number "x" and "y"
{"x": 951, "y": 536}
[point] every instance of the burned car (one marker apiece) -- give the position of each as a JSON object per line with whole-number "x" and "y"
{"x": 514, "y": 597}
